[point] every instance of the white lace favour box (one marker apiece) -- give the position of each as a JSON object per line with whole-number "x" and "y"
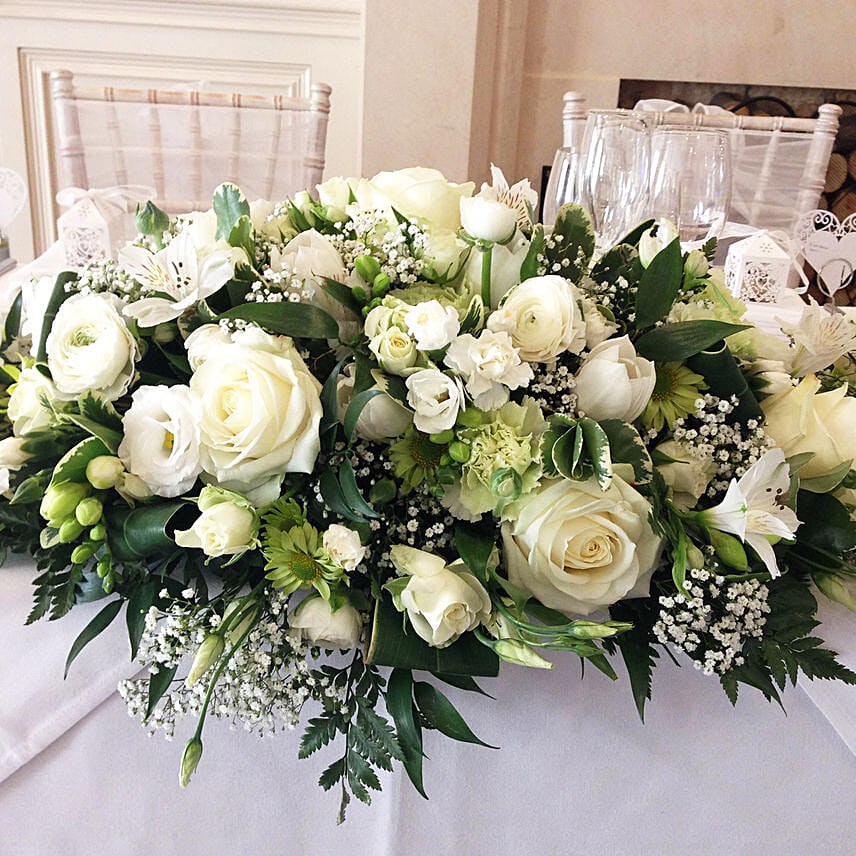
{"x": 757, "y": 269}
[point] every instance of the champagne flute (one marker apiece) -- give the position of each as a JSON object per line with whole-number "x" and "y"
{"x": 564, "y": 183}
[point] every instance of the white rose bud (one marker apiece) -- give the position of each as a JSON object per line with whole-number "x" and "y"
{"x": 696, "y": 265}
{"x": 436, "y": 399}
{"x": 25, "y": 410}
{"x": 488, "y": 219}
{"x": 320, "y": 625}
{"x": 227, "y": 525}
{"x": 343, "y": 545}
{"x": 334, "y": 194}
{"x": 394, "y": 349}
{"x": 598, "y": 327}
{"x": 382, "y": 416}
{"x": 650, "y": 244}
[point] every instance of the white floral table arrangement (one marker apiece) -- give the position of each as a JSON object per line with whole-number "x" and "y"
{"x": 404, "y": 423}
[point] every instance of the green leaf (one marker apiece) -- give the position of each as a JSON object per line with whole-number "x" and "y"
{"x": 638, "y": 653}
{"x": 826, "y": 524}
{"x": 96, "y": 626}
{"x": 683, "y": 339}
{"x": 329, "y": 397}
{"x": 137, "y": 534}
{"x": 299, "y": 320}
{"x": 72, "y": 465}
{"x": 319, "y": 732}
{"x": 57, "y": 298}
{"x": 332, "y": 774}
{"x": 399, "y": 704}
{"x": 94, "y": 406}
{"x": 355, "y": 408}
{"x": 442, "y": 714}
{"x": 12, "y": 325}
{"x": 626, "y": 446}
{"x": 597, "y": 446}
{"x": 679, "y": 561}
{"x": 614, "y": 264}
{"x": 343, "y": 294}
{"x": 109, "y": 438}
{"x": 720, "y": 370}
{"x": 139, "y": 602}
{"x": 475, "y": 547}
{"x": 158, "y": 684}
{"x": 566, "y": 450}
{"x": 462, "y": 682}
{"x": 229, "y": 205}
{"x": 241, "y": 236}
{"x": 150, "y": 220}
{"x": 351, "y": 492}
{"x": 659, "y": 285}
{"x": 31, "y": 489}
{"x": 572, "y": 240}
{"x": 331, "y": 493}
{"x": 635, "y": 235}
{"x": 530, "y": 265}
{"x": 828, "y": 482}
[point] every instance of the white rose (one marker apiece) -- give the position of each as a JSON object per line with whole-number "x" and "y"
{"x": 442, "y": 252}
{"x": 334, "y": 194}
{"x": 441, "y": 601}
{"x": 491, "y": 366}
{"x": 394, "y": 349}
{"x": 578, "y": 548}
{"x": 614, "y": 382}
{"x": 259, "y": 412}
{"x": 35, "y": 296}
{"x": 436, "y": 399}
{"x": 385, "y": 316}
{"x": 689, "y": 476}
{"x": 543, "y": 318}
{"x": 598, "y": 328}
{"x": 91, "y": 348}
{"x": 343, "y": 545}
{"x": 802, "y": 419}
{"x": 488, "y": 219}
{"x": 12, "y": 458}
{"x": 25, "y": 410}
{"x": 505, "y": 263}
{"x": 319, "y": 625}
{"x": 432, "y": 324}
{"x": 650, "y": 244}
{"x": 161, "y": 442}
{"x": 381, "y": 418}
{"x": 227, "y": 525}
{"x": 203, "y": 342}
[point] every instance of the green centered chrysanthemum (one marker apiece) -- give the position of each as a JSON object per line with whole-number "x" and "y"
{"x": 674, "y": 396}
{"x": 296, "y": 559}
{"x": 415, "y": 458}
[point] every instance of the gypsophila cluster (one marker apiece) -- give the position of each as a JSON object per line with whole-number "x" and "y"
{"x": 618, "y": 296}
{"x": 552, "y": 386}
{"x": 553, "y": 242}
{"x": 713, "y": 624}
{"x": 105, "y": 276}
{"x": 732, "y": 447}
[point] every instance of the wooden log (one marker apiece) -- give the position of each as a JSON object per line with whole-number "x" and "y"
{"x": 846, "y": 139}
{"x": 836, "y": 173}
{"x": 844, "y": 203}
{"x": 851, "y": 164}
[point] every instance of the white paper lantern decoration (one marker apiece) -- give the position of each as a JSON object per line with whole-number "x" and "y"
{"x": 13, "y": 195}
{"x": 757, "y": 269}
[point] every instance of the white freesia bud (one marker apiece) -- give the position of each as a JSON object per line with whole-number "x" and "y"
{"x": 249, "y": 614}
{"x": 343, "y": 545}
{"x": 614, "y": 382}
{"x": 189, "y": 760}
{"x": 488, "y": 219}
{"x": 394, "y": 349}
{"x": 689, "y": 476}
{"x": 207, "y": 654}
{"x": 436, "y": 399}
{"x": 25, "y": 410}
{"x": 432, "y": 325}
{"x": 320, "y": 625}
{"x": 227, "y": 525}
{"x": 650, "y": 243}
{"x": 104, "y": 472}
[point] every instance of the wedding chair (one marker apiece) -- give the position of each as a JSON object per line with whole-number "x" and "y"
{"x": 185, "y": 143}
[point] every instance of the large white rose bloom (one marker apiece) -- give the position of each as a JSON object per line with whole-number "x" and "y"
{"x": 578, "y": 548}
{"x": 542, "y": 316}
{"x": 25, "y": 409}
{"x": 614, "y": 382}
{"x": 91, "y": 348}
{"x": 259, "y": 411}
{"x": 161, "y": 442}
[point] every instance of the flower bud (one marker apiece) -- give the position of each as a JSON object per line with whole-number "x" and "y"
{"x": 104, "y": 472}
{"x": 360, "y": 293}
{"x": 134, "y": 487}
{"x": 207, "y": 654}
{"x": 60, "y": 500}
{"x": 381, "y": 284}
{"x": 367, "y": 267}
{"x": 108, "y": 583}
{"x": 98, "y": 532}
{"x": 459, "y": 451}
{"x": 82, "y": 553}
{"x": 472, "y": 417}
{"x": 250, "y": 614}
{"x": 70, "y": 531}
{"x": 189, "y": 760}
{"x": 164, "y": 333}
{"x": 696, "y": 264}
{"x": 835, "y": 590}
{"x": 695, "y": 557}
{"x": 594, "y": 630}
{"x": 88, "y": 512}
{"x": 515, "y": 651}
{"x": 103, "y": 567}
{"x": 729, "y": 549}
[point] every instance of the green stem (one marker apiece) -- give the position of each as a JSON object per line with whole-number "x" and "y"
{"x": 487, "y": 255}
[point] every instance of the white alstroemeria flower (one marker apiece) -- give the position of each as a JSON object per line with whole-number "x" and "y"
{"x": 175, "y": 278}
{"x": 752, "y": 508}
{"x": 491, "y": 365}
{"x": 821, "y": 338}
{"x": 432, "y": 325}
{"x": 650, "y": 243}
{"x": 520, "y": 197}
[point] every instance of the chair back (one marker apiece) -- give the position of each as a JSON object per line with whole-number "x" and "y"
{"x": 185, "y": 143}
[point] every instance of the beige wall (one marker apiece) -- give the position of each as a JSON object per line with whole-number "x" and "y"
{"x": 590, "y": 44}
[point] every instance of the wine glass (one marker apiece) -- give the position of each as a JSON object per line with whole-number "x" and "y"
{"x": 563, "y": 185}
{"x": 615, "y": 172}
{"x": 691, "y": 180}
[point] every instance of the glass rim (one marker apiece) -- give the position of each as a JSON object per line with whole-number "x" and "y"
{"x": 690, "y": 129}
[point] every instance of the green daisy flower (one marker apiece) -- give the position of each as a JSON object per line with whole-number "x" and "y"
{"x": 296, "y": 559}
{"x": 674, "y": 396}
{"x": 415, "y": 458}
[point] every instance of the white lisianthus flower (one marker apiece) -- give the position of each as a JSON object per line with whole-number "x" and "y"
{"x": 12, "y": 458}
{"x": 432, "y": 325}
{"x": 35, "y": 296}
{"x": 578, "y": 548}
{"x": 227, "y": 525}
{"x": 688, "y": 476}
{"x": 25, "y": 410}
{"x": 441, "y": 601}
{"x": 498, "y": 209}
{"x": 176, "y": 277}
{"x": 161, "y": 442}
{"x": 614, "y": 382}
{"x": 259, "y": 411}
{"x": 752, "y": 508}
{"x": 598, "y": 327}
{"x": 91, "y": 348}
{"x": 203, "y": 342}
{"x": 802, "y": 419}
{"x": 543, "y": 318}
{"x": 657, "y": 238}
{"x": 491, "y": 366}
{"x": 821, "y": 338}
{"x": 343, "y": 545}
{"x": 435, "y": 398}
{"x": 395, "y": 350}
{"x": 381, "y": 418}
{"x": 319, "y": 625}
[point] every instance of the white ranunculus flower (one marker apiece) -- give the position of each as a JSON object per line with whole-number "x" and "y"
{"x": 161, "y": 442}
{"x": 650, "y": 244}
{"x": 25, "y": 410}
{"x": 432, "y": 325}
{"x": 598, "y": 328}
{"x": 614, "y": 382}
{"x": 12, "y": 458}
{"x": 394, "y": 349}
{"x": 578, "y": 548}
{"x": 203, "y": 342}
{"x": 259, "y": 411}
{"x": 543, "y": 318}
{"x": 491, "y": 366}
{"x": 227, "y": 525}
{"x": 343, "y": 545}
{"x": 319, "y": 625}
{"x": 488, "y": 219}
{"x": 381, "y": 418}
{"x": 689, "y": 476}
{"x": 436, "y": 399}
{"x": 35, "y": 296}
{"x": 802, "y": 419}
{"x": 91, "y": 348}
{"x": 441, "y": 601}
{"x": 505, "y": 263}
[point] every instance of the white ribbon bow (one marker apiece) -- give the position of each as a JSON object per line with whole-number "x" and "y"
{"x": 118, "y": 197}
